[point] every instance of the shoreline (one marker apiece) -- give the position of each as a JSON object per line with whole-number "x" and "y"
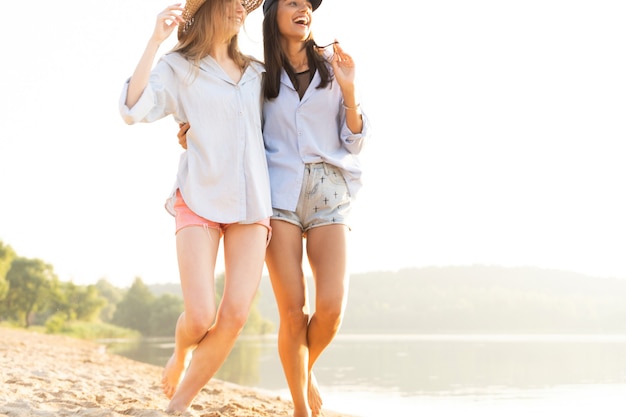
{"x": 56, "y": 376}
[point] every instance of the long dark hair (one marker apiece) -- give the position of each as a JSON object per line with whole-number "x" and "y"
{"x": 275, "y": 59}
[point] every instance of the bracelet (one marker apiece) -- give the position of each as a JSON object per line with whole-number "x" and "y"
{"x": 350, "y": 108}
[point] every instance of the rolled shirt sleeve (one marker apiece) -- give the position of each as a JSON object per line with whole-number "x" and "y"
{"x": 223, "y": 174}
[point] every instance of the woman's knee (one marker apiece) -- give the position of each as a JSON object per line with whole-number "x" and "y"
{"x": 198, "y": 323}
{"x": 231, "y": 321}
{"x": 330, "y": 313}
{"x": 294, "y": 320}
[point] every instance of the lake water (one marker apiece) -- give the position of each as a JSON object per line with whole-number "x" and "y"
{"x": 440, "y": 375}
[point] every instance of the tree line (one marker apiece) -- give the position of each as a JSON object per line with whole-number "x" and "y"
{"x": 477, "y": 299}
{"x": 464, "y": 299}
{"x": 31, "y": 294}
{"x": 486, "y": 299}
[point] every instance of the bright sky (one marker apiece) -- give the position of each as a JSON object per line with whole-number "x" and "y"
{"x": 499, "y": 136}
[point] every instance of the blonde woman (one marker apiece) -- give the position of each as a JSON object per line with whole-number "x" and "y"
{"x": 222, "y": 183}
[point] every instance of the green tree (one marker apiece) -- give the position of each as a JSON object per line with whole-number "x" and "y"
{"x": 135, "y": 308}
{"x": 6, "y": 258}
{"x": 82, "y": 303}
{"x": 164, "y": 313}
{"x": 256, "y": 323}
{"x": 113, "y": 295}
{"x": 32, "y": 282}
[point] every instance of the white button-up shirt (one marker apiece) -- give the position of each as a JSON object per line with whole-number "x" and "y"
{"x": 223, "y": 174}
{"x": 297, "y": 132}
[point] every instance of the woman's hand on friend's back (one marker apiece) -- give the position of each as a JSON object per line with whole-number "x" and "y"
{"x": 182, "y": 134}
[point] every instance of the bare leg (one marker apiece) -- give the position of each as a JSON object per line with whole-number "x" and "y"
{"x": 326, "y": 250}
{"x": 197, "y": 251}
{"x": 284, "y": 263}
{"x": 244, "y": 251}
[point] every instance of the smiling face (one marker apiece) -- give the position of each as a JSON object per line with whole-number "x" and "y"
{"x": 236, "y": 15}
{"x": 294, "y": 19}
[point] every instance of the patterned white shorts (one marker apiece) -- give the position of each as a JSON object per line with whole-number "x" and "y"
{"x": 324, "y": 199}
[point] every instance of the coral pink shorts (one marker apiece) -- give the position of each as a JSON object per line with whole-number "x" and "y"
{"x": 185, "y": 218}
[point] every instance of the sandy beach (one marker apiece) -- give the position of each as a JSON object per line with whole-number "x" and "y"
{"x": 54, "y": 376}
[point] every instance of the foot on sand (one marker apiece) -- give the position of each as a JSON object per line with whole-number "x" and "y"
{"x": 172, "y": 375}
{"x": 315, "y": 400}
{"x": 176, "y": 409}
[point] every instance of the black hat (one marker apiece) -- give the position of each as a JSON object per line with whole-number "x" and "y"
{"x": 268, "y": 3}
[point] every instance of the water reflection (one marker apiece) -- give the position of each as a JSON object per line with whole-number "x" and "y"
{"x": 241, "y": 366}
{"x": 471, "y": 366}
{"x": 425, "y": 365}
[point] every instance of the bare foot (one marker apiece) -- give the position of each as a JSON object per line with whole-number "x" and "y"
{"x": 315, "y": 400}
{"x": 173, "y": 413}
{"x": 172, "y": 375}
{"x": 175, "y": 409}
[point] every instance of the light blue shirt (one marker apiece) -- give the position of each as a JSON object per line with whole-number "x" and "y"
{"x": 298, "y": 132}
{"x": 223, "y": 174}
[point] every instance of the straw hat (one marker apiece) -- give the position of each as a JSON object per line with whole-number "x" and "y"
{"x": 192, "y": 6}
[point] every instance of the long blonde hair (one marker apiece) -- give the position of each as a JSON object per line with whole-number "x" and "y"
{"x": 207, "y": 29}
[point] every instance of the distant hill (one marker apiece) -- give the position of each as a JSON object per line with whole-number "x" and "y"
{"x": 475, "y": 299}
